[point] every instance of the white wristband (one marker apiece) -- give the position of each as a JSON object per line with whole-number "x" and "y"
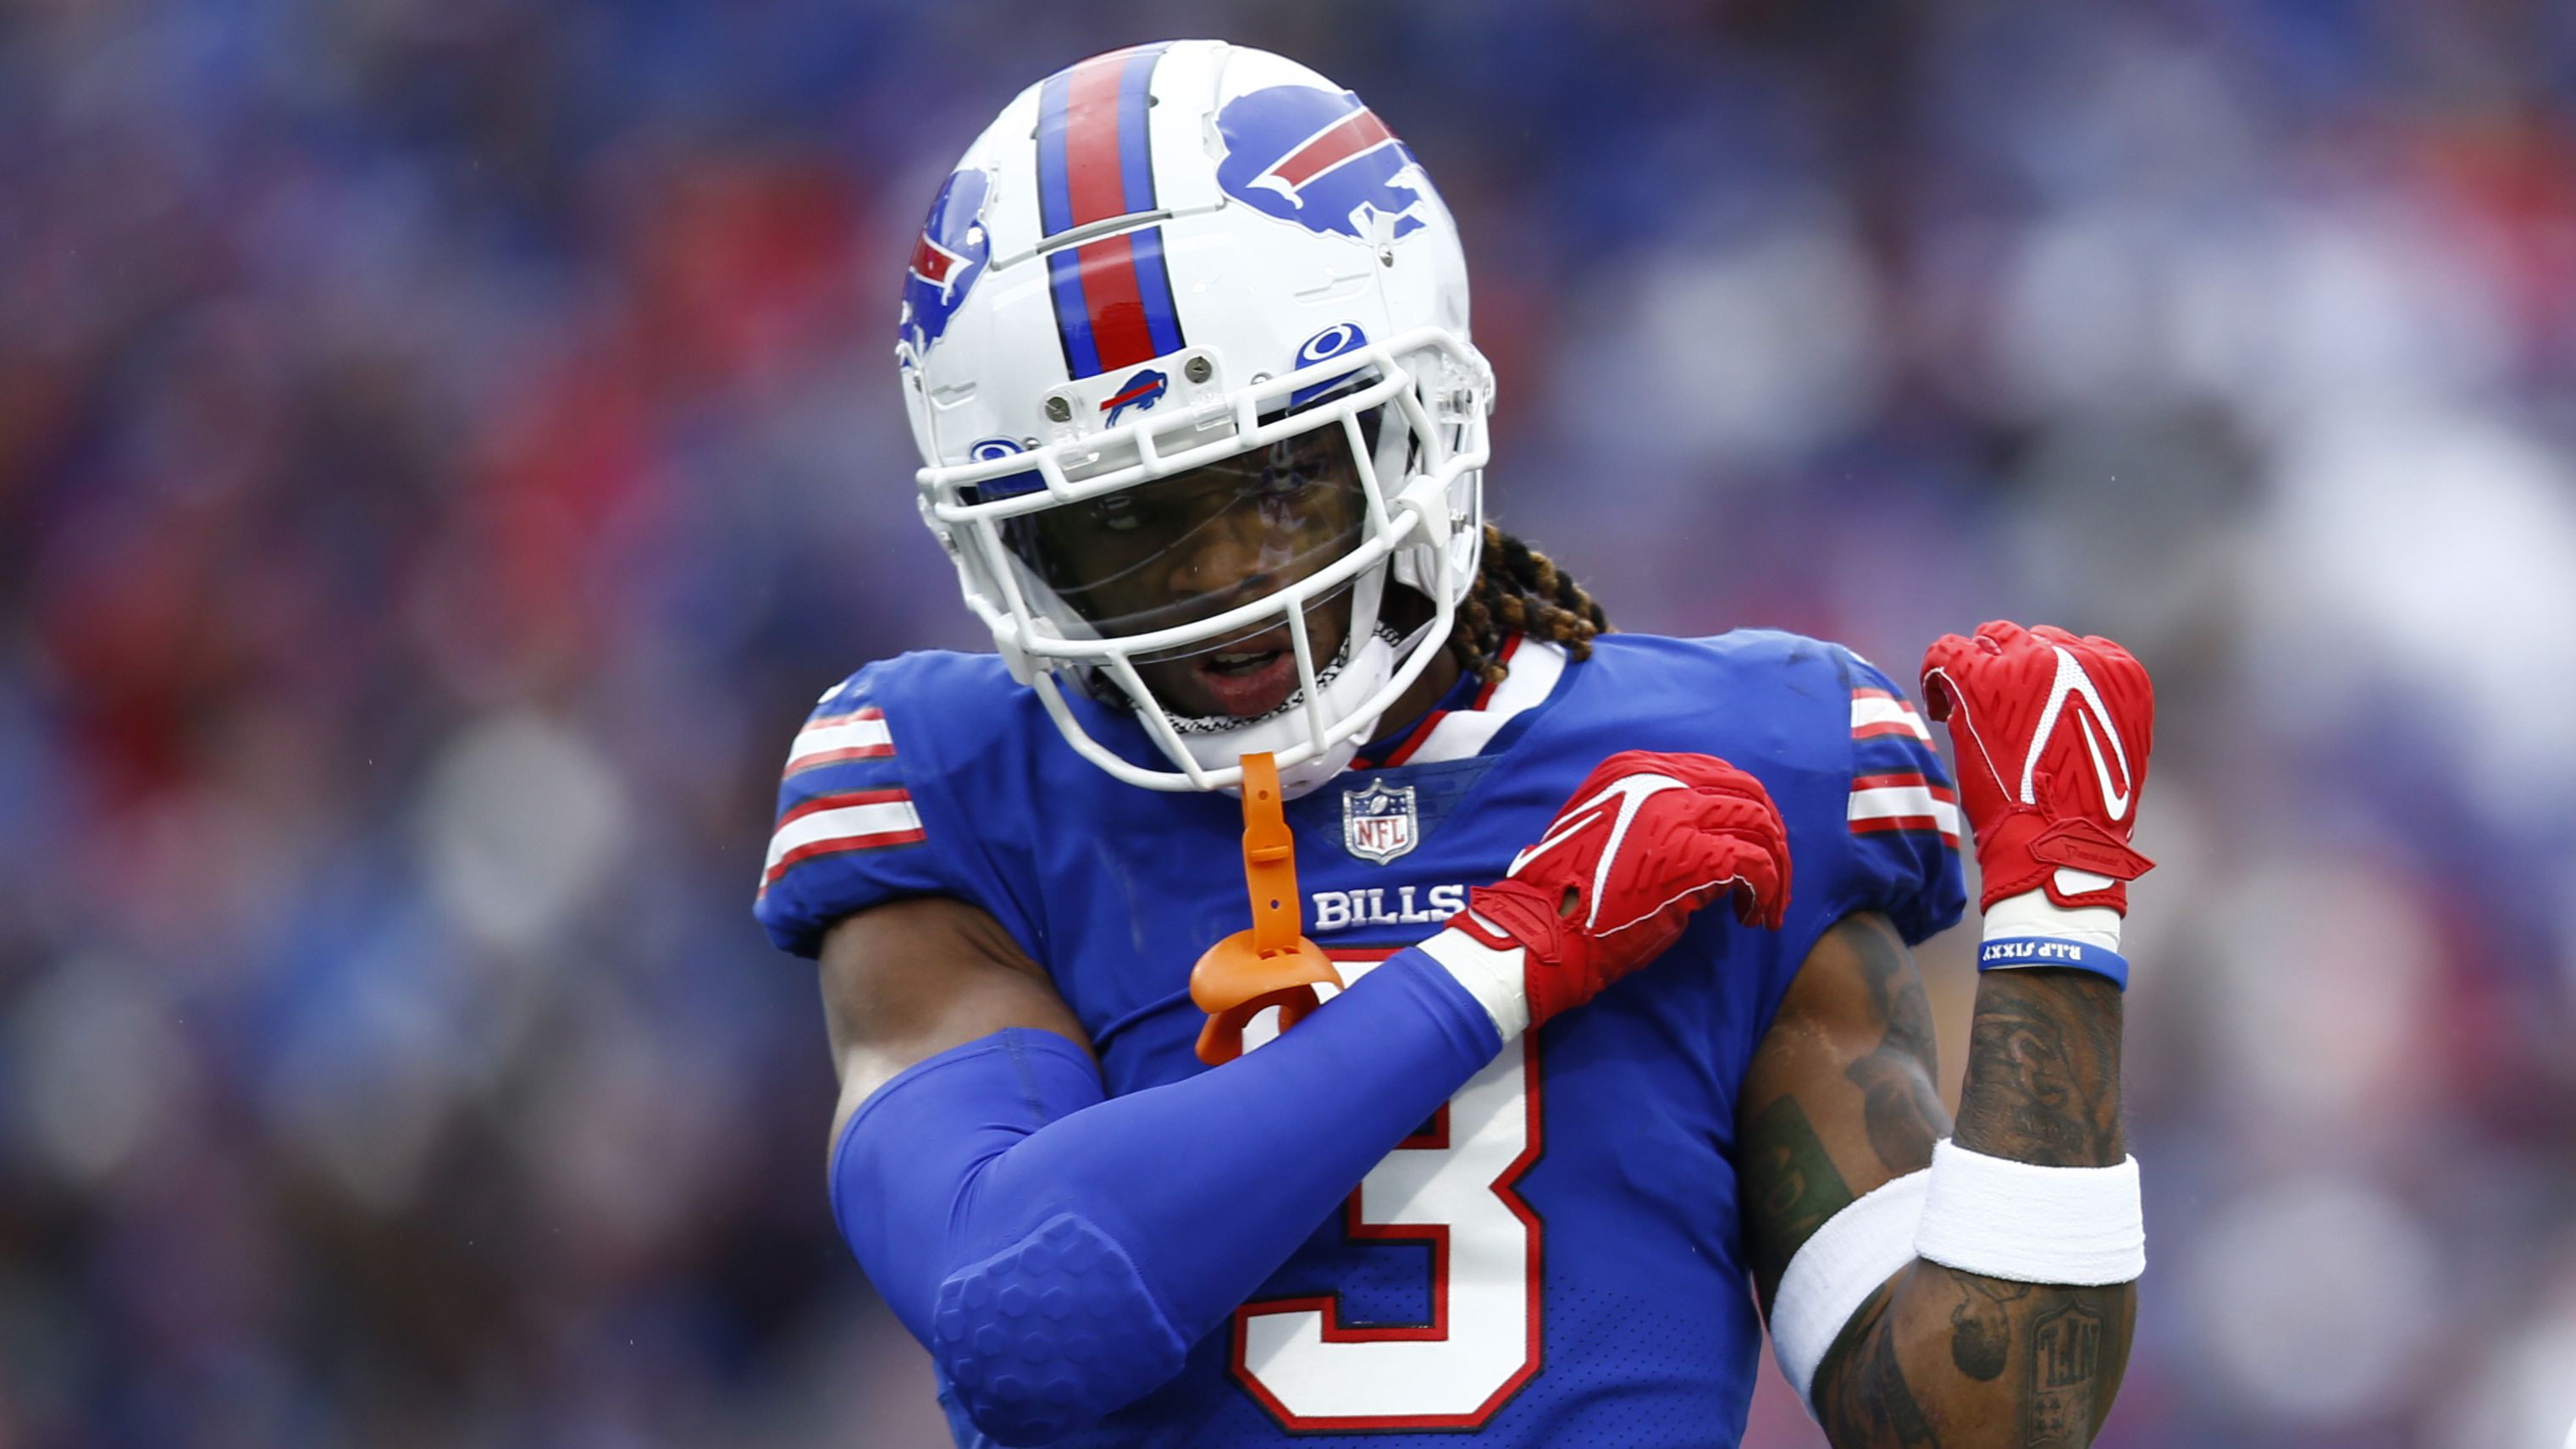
{"x": 1496, "y": 978}
{"x": 1836, "y": 1270}
{"x": 2032, "y": 913}
{"x": 2079, "y": 1226}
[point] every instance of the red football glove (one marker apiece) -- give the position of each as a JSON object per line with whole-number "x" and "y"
{"x": 2052, "y": 733}
{"x": 1645, "y": 841}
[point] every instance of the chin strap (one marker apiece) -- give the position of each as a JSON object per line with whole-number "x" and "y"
{"x": 1273, "y": 964}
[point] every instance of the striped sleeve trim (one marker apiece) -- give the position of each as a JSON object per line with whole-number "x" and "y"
{"x": 1876, "y": 712}
{"x": 1909, "y": 801}
{"x": 835, "y": 739}
{"x": 839, "y": 823}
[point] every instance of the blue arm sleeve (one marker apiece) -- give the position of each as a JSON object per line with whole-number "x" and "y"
{"x": 1058, "y": 1251}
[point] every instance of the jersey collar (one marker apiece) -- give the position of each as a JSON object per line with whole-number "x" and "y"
{"x": 1473, "y": 717}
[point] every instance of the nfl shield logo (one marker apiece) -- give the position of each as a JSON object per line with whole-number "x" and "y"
{"x": 1378, "y": 822}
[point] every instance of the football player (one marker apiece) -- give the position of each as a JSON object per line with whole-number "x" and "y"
{"x": 1629, "y": 1040}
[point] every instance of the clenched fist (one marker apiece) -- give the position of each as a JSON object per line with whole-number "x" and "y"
{"x": 2052, "y": 732}
{"x": 1646, "y": 840}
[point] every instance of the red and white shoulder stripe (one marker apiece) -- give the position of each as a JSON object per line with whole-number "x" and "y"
{"x": 1904, "y": 801}
{"x": 1876, "y": 713}
{"x": 833, "y": 739}
{"x": 834, "y": 824}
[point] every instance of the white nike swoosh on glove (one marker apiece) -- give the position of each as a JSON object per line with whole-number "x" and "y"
{"x": 2071, "y": 679}
{"x": 1631, "y": 791}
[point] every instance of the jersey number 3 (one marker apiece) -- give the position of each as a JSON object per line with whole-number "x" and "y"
{"x": 1450, "y": 1186}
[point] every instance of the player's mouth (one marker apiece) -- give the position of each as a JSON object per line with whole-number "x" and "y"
{"x": 1247, "y": 680}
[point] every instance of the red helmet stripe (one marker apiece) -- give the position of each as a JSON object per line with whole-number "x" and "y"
{"x": 1354, "y": 135}
{"x": 1099, "y": 189}
{"x": 1117, "y": 304}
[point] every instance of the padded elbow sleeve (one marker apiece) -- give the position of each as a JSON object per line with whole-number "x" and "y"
{"x": 1051, "y": 1333}
{"x": 1051, "y": 1325}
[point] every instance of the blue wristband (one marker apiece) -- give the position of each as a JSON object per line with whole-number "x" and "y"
{"x": 2005, "y": 952}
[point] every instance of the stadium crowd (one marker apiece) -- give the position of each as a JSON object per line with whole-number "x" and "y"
{"x": 445, "y": 446}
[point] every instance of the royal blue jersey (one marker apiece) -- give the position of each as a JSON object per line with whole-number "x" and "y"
{"x": 1556, "y": 1258}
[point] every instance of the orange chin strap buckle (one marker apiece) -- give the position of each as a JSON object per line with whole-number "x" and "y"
{"x": 1273, "y": 964}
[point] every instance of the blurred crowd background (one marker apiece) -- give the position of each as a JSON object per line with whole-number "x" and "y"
{"x": 445, "y": 446}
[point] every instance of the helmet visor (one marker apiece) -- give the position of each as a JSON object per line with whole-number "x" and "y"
{"x": 1176, "y": 551}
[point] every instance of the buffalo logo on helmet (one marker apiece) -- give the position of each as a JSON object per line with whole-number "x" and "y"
{"x": 1321, "y": 160}
{"x": 1140, "y": 392}
{"x": 946, "y": 260}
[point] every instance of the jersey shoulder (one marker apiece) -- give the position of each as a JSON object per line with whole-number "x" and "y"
{"x": 969, "y": 699}
{"x": 881, "y": 790}
{"x": 1795, "y": 691}
{"x": 1845, "y": 752}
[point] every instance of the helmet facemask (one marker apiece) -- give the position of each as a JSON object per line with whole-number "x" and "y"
{"x": 1224, "y": 569}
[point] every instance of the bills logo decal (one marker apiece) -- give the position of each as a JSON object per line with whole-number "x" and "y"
{"x": 1140, "y": 392}
{"x": 947, "y": 258}
{"x": 1322, "y": 160}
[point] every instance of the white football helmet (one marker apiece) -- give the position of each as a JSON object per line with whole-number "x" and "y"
{"x": 1196, "y": 258}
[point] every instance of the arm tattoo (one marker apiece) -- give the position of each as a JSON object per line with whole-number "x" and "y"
{"x": 1903, "y": 1113}
{"x": 2031, "y": 1365}
{"x": 1980, "y": 1328}
{"x": 1803, "y": 1189}
{"x": 2045, "y": 1362}
{"x": 2060, "y": 1408}
{"x": 2044, "y": 1070}
{"x": 1793, "y": 1184}
{"x": 1861, "y": 1393}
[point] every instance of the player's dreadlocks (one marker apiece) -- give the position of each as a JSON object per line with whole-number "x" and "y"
{"x": 1519, "y": 589}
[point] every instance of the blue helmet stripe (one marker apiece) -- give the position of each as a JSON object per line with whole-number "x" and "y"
{"x": 1135, "y": 141}
{"x": 1154, "y": 284}
{"x": 1055, "y": 179}
{"x": 1072, "y": 313}
{"x": 1136, "y": 169}
{"x": 1055, "y": 214}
